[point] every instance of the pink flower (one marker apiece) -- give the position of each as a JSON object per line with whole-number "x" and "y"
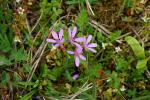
{"x": 78, "y": 55}
{"x": 58, "y": 39}
{"x": 72, "y": 37}
{"x": 89, "y": 46}
{"x": 75, "y": 76}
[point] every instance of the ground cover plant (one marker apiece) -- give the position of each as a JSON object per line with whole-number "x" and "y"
{"x": 75, "y": 49}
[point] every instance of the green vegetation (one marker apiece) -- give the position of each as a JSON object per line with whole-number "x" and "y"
{"x": 34, "y": 69}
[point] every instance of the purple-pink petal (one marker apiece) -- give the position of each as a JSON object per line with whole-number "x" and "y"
{"x": 77, "y": 45}
{"x": 89, "y": 39}
{"x": 92, "y": 45}
{"x": 70, "y": 52}
{"x": 82, "y": 57}
{"x": 75, "y": 76}
{"x": 74, "y": 31}
{"x": 80, "y": 39}
{"x": 56, "y": 45}
{"x": 69, "y": 31}
{"x": 77, "y": 61}
{"x": 93, "y": 50}
{"x": 61, "y": 32}
{"x": 54, "y": 34}
{"x": 62, "y": 40}
{"x": 51, "y": 40}
{"x": 79, "y": 50}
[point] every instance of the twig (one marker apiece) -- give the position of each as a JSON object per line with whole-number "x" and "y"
{"x": 122, "y": 95}
{"x": 36, "y": 23}
{"x": 124, "y": 35}
{"x": 43, "y": 43}
{"x": 36, "y": 64}
{"x": 96, "y": 27}
{"x": 100, "y": 26}
{"x": 87, "y": 87}
{"x": 102, "y": 29}
{"x": 40, "y": 52}
{"x": 89, "y": 7}
{"x": 27, "y": 24}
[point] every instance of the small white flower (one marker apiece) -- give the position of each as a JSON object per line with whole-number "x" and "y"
{"x": 119, "y": 41}
{"x": 142, "y": 1}
{"x": 17, "y": 38}
{"x": 103, "y": 45}
{"x": 53, "y": 48}
{"x": 117, "y": 49}
{"x": 20, "y": 10}
{"x": 122, "y": 88}
{"x": 108, "y": 80}
{"x": 144, "y": 19}
{"x": 18, "y": 1}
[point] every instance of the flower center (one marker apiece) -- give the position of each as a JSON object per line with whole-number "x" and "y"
{"x": 86, "y": 45}
{"x": 76, "y": 53}
{"x": 58, "y": 40}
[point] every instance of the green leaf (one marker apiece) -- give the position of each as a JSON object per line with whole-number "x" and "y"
{"x": 128, "y": 3}
{"x": 71, "y": 2}
{"x": 5, "y": 78}
{"x": 25, "y": 83}
{"x": 19, "y": 55}
{"x": 82, "y": 19}
{"x": 100, "y": 37}
{"x": 147, "y": 97}
{"x": 137, "y": 49}
{"x": 56, "y": 72}
{"x": 16, "y": 77}
{"x": 67, "y": 74}
{"x": 4, "y": 61}
{"x": 114, "y": 35}
{"x": 1, "y": 15}
{"x": 4, "y": 40}
{"x": 29, "y": 95}
{"x": 115, "y": 80}
{"x": 122, "y": 64}
{"x": 43, "y": 70}
{"x": 93, "y": 71}
{"x": 36, "y": 84}
{"x": 141, "y": 65}
{"x": 26, "y": 68}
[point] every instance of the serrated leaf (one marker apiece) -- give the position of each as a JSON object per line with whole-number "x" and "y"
{"x": 4, "y": 61}
{"x": 5, "y": 78}
{"x": 128, "y": 3}
{"x": 19, "y": 55}
{"x": 114, "y": 35}
{"x": 93, "y": 71}
{"x": 56, "y": 72}
{"x": 100, "y": 37}
{"x": 82, "y": 19}
{"x": 115, "y": 80}
{"x": 4, "y": 40}
{"x": 122, "y": 64}
{"x": 136, "y": 47}
{"x": 44, "y": 70}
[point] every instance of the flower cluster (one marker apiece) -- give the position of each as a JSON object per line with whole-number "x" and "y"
{"x": 81, "y": 44}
